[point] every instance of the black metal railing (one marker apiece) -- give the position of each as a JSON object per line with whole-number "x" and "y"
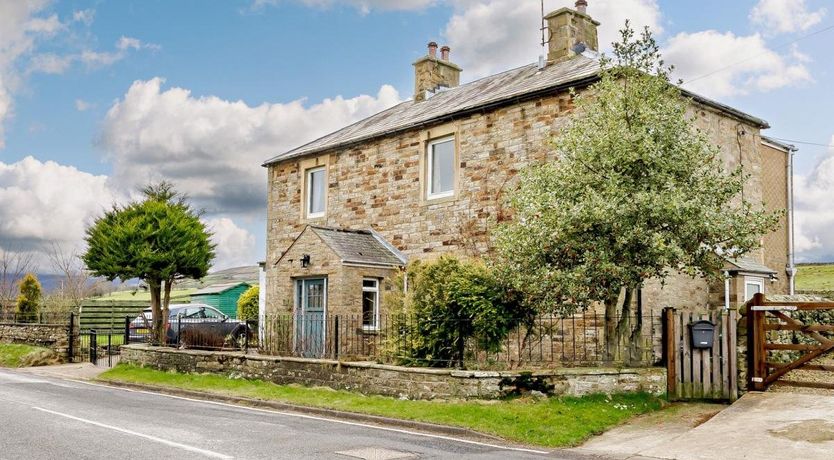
{"x": 547, "y": 341}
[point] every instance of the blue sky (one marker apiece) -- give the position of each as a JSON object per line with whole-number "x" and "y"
{"x": 118, "y": 93}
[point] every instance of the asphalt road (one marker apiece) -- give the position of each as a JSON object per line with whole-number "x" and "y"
{"x": 46, "y": 418}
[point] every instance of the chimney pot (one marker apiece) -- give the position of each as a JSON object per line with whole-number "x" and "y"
{"x": 444, "y": 53}
{"x": 432, "y": 49}
{"x": 582, "y": 6}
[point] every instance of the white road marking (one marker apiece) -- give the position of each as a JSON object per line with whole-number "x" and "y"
{"x": 323, "y": 419}
{"x": 197, "y": 450}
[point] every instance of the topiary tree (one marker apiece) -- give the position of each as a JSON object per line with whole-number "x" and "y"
{"x": 158, "y": 240}
{"x": 638, "y": 193}
{"x": 29, "y": 299}
{"x": 247, "y": 304}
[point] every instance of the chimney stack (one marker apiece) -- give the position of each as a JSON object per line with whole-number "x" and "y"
{"x": 432, "y": 49}
{"x": 432, "y": 74}
{"x": 571, "y": 32}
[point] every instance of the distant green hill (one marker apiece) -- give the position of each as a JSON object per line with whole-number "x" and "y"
{"x": 183, "y": 289}
{"x": 816, "y": 277}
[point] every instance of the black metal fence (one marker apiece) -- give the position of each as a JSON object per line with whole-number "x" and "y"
{"x": 549, "y": 341}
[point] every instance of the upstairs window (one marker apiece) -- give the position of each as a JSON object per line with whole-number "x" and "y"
{"x": 316, "y": 188}
{"x": 441, "y": 168}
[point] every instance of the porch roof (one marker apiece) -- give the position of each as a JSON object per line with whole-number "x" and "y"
{"x": 360, "y": 246}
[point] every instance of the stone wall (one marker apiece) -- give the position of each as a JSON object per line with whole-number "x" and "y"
{"x": 380, "y": 184}
{"x": 396, "y": 381}
{"x": 52, "y": 336}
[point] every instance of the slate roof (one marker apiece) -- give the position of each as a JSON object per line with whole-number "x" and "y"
{"x": 745, "y": 264}
{"x": 217, "y": 288}
{"x": 360, "y": 246}
{"x": 496, "y": 90}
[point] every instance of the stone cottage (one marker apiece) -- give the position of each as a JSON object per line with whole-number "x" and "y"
{"x": 426, "y": 177}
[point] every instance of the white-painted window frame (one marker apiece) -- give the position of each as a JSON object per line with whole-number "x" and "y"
{"x": 308, "y": 178}
{"x": 754, "y": 280}
{"x": 430, "y": 166}
{"x": 375, "y": 290}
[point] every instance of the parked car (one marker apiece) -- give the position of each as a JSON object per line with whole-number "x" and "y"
{"x": 194, "y": 325}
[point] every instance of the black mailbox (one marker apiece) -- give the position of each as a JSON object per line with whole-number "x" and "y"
{"x": 702, "y": 333}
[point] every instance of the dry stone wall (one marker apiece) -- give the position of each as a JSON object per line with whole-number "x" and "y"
{"x": 52, "y": 336}
{"x": 396, "y": 381}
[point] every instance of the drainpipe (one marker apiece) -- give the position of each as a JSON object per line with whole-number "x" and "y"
{"x": 726, "y": 290}
{"x": 791, "y": 262}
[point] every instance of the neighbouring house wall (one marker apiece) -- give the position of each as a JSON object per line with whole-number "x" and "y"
{"x": 775, "y": 195}
{"x": 379, "y": 184}
{"x": 401, "y": 382}
{"x": 52, "y": 336}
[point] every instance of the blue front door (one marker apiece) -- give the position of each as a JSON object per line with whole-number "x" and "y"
{"x": 310, "y": 310}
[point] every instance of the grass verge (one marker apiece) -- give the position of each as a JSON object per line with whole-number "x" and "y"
{"x": 552, "y": 422}
{"x": 15, "y": 355}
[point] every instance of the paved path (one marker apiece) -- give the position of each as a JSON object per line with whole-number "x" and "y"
{"x": 773, "y": 426}
{"x": 42, "y": 417}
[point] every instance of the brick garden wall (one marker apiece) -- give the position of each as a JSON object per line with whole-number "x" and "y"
{"x": 402, "y": 382}
{"x": 52, "y": 336}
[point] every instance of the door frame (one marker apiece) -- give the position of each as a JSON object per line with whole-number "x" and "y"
{"x": 299, "y": 308}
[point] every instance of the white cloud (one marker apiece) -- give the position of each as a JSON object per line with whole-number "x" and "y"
{"x": 50, "y": 63}
{"x": 235, "y": 245}
{"x": 85, "y": 17}
{"x": 741, "y": 64}
{"x": 784, "y": 16}
{"x": 20, "y": 27}
{"x": 212, "y": 148}
{"x": 489, "y": 36}
{"x": 365, "y": 6}
{"x": 814, "y": 214}
{"x": 47, "y": 202}
{"x": 81, "y": 105}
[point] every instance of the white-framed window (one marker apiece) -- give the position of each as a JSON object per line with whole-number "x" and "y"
{"x": 316, "y": 179}
{"x": 440, "y": 168}
{"x": 752, "y": 286}
{"x": 370, "y": 304}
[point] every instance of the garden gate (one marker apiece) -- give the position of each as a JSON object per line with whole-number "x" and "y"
{"x": 700, "y": 373}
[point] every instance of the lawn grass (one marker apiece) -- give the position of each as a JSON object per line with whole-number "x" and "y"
{"x": 553, "y": 422}
{"x": 12, "y": 354}
{"x": 815, "y": 278}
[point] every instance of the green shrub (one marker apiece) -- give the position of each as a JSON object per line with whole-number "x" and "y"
{"x": 247, "y": 304}
{"x": 449, "y": 304}
{"x": 29, "y": 300}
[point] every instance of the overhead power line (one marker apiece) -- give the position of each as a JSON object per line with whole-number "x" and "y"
{"x": 755, "y": 56}
{"x": 793, "y": 141}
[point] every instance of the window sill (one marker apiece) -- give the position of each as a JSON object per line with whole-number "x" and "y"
{"x": 368, "y": 330}
{"x": 439, "y": 199}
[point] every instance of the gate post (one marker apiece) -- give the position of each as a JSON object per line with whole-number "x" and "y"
{"x": 670, "y": 350}
{"x": 756, "y": 353}
{"x": 70, "y": 332}
{"x": 126, "y": 340}
{"x": 93, "y": 347}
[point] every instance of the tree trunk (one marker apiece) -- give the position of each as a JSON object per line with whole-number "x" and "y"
{"x": 611, "y": 309}
{"x": 158, "y": 334}
{"x": 636, "y": 338}
{"x": 166, "y": 300}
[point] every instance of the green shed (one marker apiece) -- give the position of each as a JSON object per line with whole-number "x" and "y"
{"x": 221, "y": 296}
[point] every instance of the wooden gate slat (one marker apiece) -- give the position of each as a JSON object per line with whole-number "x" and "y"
{"x": 687, "y": 355}
{"x": 732, "y": 356}
{"x": 706, "y": 367}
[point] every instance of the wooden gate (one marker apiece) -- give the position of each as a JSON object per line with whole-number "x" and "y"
{"x": 785, "y": 337}
{"x": 700, "y": 373}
